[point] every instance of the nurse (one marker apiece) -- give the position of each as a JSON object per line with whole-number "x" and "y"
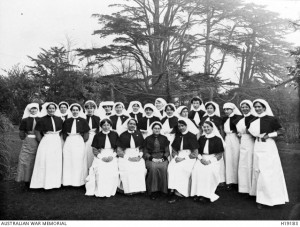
{"x": 206, "y": 172}
{"x": 268, "y": 182}
{"x": 75, "y": 133}
{"x": 245, "y": 168}
{"x": 232, "y": 151}
{"x": 185, "y": 151}
{"x": 132, "y": 167}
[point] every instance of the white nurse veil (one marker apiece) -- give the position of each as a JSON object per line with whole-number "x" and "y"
{"x": 217, "y": 108}
{"x": 81, "y": 114}
{"x": 27, "y": 110}
{"x": 130, "y": 107}
{"x": 268, "y": 110}
{"x": 230, "y": 105}
{"x": 215, "y": 132}
{"x": 250, "y": 104}
{"x": 44, "y": 109}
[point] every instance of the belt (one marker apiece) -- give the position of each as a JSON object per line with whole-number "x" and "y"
{"x": 260, "y": 139}
{"x": 31, "y": 136}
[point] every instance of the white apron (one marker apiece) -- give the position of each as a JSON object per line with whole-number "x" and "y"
{"x": 103, "y": 176}
{"x": 206, "y": 178}
{"x": 245, "y": 169}
{"x": 171, "y": 136}
{"x": 132, "y": 174}
{"x": 179, "y": 173}
{"x": 268, "y": 182}
{"x": 74, "y": 164}
{"x": 88, "y": 151}
{"x": 47, "y": 172}
{"x": 231, "y": 155}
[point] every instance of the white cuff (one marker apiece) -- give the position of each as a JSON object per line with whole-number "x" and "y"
{"x": 214, "y": 159}
{"x": 273, "y": 134}
{"x": 199, "y": 156}
{"x": 114, "y": 155}
{"x": 99, "y": 156}
{"x": 140, "y": 154}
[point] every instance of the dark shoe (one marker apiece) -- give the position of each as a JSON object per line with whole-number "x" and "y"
{"x": 228, "y": 187}
{"x": 196, "y": 198}
{"x": 173, "y": 199}
{"x": 259, "y": 206}
{"x": 203, "y": 200}
{"x": 153, "y": 196}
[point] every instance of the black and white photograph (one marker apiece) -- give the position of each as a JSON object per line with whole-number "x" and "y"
{"x": 150, "y": 110}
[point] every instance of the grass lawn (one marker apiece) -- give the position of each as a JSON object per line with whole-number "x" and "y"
{"x": 70, "y": 203}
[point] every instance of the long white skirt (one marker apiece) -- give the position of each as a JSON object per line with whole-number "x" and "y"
{"x": 47, "y": 171}
{"x": 268, "y": 182}
{"x": 171, "y": 137}
{"x": 222, "y": 170}
{"x": 245, "y": 169}
{"x": 179, "y": 173}
{"x": 88, "y": 150}
{"x": 206, "y": 178}
{"x": 74, "y": 165}
{"x": 103, "y": 177}
{"x": 231, "y": 155}
{"x": 132, "y": 174}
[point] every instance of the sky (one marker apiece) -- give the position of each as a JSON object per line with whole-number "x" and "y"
{"x": 28, "y": 25}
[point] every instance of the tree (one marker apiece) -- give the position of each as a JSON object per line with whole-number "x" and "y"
{"x": 151, "y": 35}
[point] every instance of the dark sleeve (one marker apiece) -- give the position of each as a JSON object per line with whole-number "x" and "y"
{"x": 115, "y": 138}
{"x": 201, "y": 143}
{"x": 166, "y": 141}
{"x": 23, "y": 125}
{"x": 218, "y": 145}
{"x": 275, "y": 124}
{"x": 95, "y": 142}
{"x": 39, "y": 125}
{"x": 85, "y": 125}
{"x": 193, "y": 143}
{"x": 121, "y": 140}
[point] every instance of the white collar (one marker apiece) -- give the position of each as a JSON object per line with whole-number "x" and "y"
{"x": 262, "y": 114}
{"x": 199, "y": 108}
{"x": 75, "y": 117}
{"x": 231, "y": 115}
{"x": 106, "y": 132}
{"x": 209, "y": 135}
{"x": 149, "y": 116}
{"x": 211, "y": 115}
{"x": 185, "y": 132}
{"x": 63, "y": 115}
{"x": 131, "y": 132}
{"x": 170, "y": 116}
{"x": 247, "y": 115}
{"x": 30, "y": 115}
{"x": 119, "y": 115}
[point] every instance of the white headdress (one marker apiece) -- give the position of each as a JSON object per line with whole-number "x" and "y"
{"x": 215, "y": 132}
{"x": 92, "y": 102}
{"x": 180, "y": 109}
{"x": 268, "y": 110}
{"x": 28, "y": 108}
{"x": 164, "y": 103}
{"x": 217, "y": 108}
{"x": 124, "y": 111}
{"x": 81, "y": 114}
{"x": 101, "y": 111}
{"x": 175, "y": 112}
{"x": 44, "y": 109}
{"x": 155, "y": 111}
{"x": 191, "y": 127}
{"x": 68, "y": 108}
{"x": 230, "y": 105}
{"x": 130, "y": 109}
{"x": 250, "y": 104}
{"x": 150, "y": 131}
{"x": 202, "y": 107}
